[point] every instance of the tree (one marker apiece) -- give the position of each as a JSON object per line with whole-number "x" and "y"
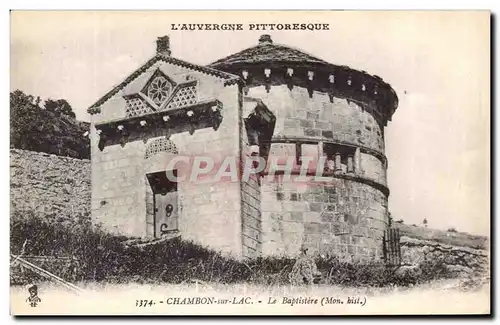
{"x": 425, "y": 222}
{"x": 52, "y": 130}
{"x": 18, "y": 98}
{"x": 59, "y": 106}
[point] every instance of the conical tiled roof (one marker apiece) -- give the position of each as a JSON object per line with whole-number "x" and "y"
{"x": 267, "y": 55}
{"x": 267, "y": 51}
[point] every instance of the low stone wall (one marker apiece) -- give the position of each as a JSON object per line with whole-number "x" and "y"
{"x": 462, "y": 260}
{"x": 453, "y": 238}
{"x": 54, "y": 188}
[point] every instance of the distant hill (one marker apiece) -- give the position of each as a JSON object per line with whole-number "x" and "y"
{"x": 444, "y": 237}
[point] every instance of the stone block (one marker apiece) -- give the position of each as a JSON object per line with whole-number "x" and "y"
{"x": 251, "y": 221}
{"x": 312, "y": 115}
{"x": 291, "y": 123}
{"x": 313, "y": 227}
{"x": 315, "y": 207}
{"x": 328, "y": 217}
{"x": 296, "y": 216}
{"x": 309, "y": 132}
{"x": 306, "y": 123}
{"x": 292, "y": 227}
{"x": 324, "y": 126}
{"x": 310, "y": 216}
{"x": 327, "y": 134}
{"x": 251, "y": 232}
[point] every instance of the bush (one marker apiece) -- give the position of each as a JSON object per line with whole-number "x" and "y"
{"x": 104, "y": 257}
{"x": 52, "y": 129}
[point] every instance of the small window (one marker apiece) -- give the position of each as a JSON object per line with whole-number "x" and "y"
{"x": 160, "y": 145}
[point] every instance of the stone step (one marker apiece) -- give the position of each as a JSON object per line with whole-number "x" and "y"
{"x": 143, "y": 242}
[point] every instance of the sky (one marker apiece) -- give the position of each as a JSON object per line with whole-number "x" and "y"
{"x": 437, "y": 143}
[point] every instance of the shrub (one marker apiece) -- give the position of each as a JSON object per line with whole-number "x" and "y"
{"x": 104, "y": 257}
{"x": 52, "y": 129}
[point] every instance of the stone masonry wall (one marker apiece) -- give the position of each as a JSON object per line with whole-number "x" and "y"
{"x": 343, "y": 216}
{"x": 300, "y": 116}
{"x": 55, "y": 188}
{"x": 340, "y": 217}
{"x": 251, "y": 217}
{"x": 250, "y": 201}
{"x": 459, "y": 259}
{"x": 209, "y": 212}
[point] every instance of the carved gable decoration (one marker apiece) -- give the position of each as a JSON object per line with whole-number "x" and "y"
{"x": 159, "y": 88}
{"x": 161, "y": 93}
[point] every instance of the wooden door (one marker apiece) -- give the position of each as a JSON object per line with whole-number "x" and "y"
{"x": 166, "y": 205}
{"x": 166, "y": 212}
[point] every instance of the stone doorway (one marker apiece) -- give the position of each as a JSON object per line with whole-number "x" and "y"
{"x": 165, "y": 202}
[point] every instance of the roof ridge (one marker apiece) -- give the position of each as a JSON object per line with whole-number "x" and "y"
{"x": 301, "y": 50}
{"x": 270, "y": 45}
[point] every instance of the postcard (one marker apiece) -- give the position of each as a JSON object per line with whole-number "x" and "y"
{"x": 250, "y": 163}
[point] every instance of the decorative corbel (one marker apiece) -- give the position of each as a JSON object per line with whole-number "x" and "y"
{"x": 122, "y": 130}
{"x": 267, "y": 73}
{"x": 216, "y": 116}
{"x": 310, "y": 79}
{"x": 102, "y": 139}
{"x": 143, "y": 124}
{"x": 331, "y": 80}
{"x": 190, "y": 115}
{"x": 216, "y": 121}
{"x": 244, "y": 74}
{"x": 123, "y": 134}
{"x": 288, "y": 77}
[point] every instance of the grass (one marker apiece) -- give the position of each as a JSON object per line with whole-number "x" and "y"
{"x": 104, "y": 258}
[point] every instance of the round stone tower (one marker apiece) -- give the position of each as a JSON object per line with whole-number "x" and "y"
{"x": 322, "y": 110}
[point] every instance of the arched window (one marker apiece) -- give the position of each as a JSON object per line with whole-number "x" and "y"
{"x": 160, "y": 145}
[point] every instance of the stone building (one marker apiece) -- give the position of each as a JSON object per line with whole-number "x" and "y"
{"x": 269, "y": 100}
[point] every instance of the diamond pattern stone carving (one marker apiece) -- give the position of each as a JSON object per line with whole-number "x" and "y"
{"x": 159, "y": 90}
{"x": 136, "y": 106}
{"x": 184, "y": 97}
{"x": 160, "y": 145}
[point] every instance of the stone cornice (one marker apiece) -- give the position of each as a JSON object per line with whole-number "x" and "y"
{"x": 190, "y": 115}
{"x": 351, "y": 177}
{"x": 370, "y": 91}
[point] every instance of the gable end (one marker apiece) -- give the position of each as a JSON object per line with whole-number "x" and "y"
{"x": 229, "y": 79}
